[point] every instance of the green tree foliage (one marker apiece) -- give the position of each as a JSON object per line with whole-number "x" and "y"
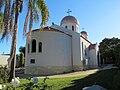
{"x": 1, "y": 19}
{"x": 117, "y": 54}
{"x": 17, "y": 60}
{"x": 22, "y": 59}
{"x": 4, "y": 74}
{"x": 22, "y": 56}
{"x": 22, "y": 49}
{"x": 36, "y": 8}
{"x": 110, "y": 50}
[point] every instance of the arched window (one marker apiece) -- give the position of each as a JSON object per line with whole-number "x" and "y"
{"x": 65, "y": 26}
{"x": 40, "y": 46}
{"x": 28, "y": 47}
{"x": 33, "y": 45}
{"x": 72, "y": 28}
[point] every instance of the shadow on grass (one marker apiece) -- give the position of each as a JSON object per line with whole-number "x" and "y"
{"x": 103, "y": 78}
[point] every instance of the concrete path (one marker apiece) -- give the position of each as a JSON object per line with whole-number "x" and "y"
{"x": 80, "y": 73}
{"x": 108, "y": 66}
{"x": 72, "y": 74}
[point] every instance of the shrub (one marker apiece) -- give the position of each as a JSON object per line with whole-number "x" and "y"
{"x": 4, "y": 74}
{"x": 116, "y": 81}
{"x": 31, "y": 85}
{"x": 21, "y": 62}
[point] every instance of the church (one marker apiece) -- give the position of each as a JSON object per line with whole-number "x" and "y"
{"x": 59, "y": 49}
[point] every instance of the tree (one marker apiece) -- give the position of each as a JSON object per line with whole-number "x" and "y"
{"x": 10, "y": 24}
{"x": 117, "y": 54}
{"x": 35, "y": 9}
{"x": 21, "y": 62}
{"x": 22, "y": 56}
{"x": 12, "y": 9}
{"x": 108, "y": 49}
{"x": 22, "y": 50}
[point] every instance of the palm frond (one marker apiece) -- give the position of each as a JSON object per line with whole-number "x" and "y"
{"x": 1, "y": 4}
{"x": 35, "y": 9}
{"x": 44, "y": 11}
{"x": 12, "y": 18}
{"x": 27, "y": 18}
{"x": 31, "y": 20}
{"x": 1, "y": 20}
{"x": 21, "y": 6}
{"x": 36, "y": 14}
{"x": 6, "y": 21}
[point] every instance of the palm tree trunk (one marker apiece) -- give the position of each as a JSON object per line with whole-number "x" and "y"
{"x": 13, "y": 46}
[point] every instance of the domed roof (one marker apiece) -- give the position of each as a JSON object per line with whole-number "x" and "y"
{"x": 84, "y": 32}
{"x": 69, "y": 19}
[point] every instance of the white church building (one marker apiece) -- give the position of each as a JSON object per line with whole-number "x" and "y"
{"x": 59, "y": 49}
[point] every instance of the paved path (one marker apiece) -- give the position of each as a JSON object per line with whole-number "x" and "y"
{"x": 75, "y": 74}
{"x": 80, "y": 73}
{"x": 108, "y": 66}
{"x": 72, "y": 74}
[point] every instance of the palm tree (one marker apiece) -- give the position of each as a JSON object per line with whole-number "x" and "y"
{"x": 12, "y": 9}
{"x": 35, "y": 9}
{"x": 10, "y": 24}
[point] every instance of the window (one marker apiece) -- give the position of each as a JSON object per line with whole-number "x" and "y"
{"x": 28, "y": 47}
{"x": 40, "y": 46}
{"x": 32, "y": 61}
{"x": 72, "y": 28}
{"x": 33, "y": 45}
{"x": 65, "y": 26}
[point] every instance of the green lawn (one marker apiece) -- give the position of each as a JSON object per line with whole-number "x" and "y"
{"x": 58, "y": 83}
{"x": 103, "y": 78}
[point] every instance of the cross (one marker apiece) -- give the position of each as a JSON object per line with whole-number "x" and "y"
{"x": 69, "y": 11}
{"x": 83, "y": 28}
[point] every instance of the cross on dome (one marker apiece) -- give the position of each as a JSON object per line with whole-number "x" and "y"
{"x": 69, "y": 11}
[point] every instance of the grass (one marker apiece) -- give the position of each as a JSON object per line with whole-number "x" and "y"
{"x": 103, "y": 78}
{"x": 57, "y": 83}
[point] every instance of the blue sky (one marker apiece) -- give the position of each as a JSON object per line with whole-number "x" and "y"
{"x": 100, "y": 18}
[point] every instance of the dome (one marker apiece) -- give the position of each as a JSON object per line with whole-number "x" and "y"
{"x": 69, "y": 19}
{"x": 84, "y": 32}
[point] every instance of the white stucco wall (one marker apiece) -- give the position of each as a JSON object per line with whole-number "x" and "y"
{"x": 93, "y": 62}
{"x": 76, "y": 46}
{"x": 85, "y": 46}
{"x": 76, "y": 50}
{"x": 4, "y": 59}
{"x": 56, "y": 49}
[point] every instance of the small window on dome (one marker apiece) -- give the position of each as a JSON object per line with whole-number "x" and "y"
{"x": 72, "y": 28}
{"x": 65, "y": 26}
